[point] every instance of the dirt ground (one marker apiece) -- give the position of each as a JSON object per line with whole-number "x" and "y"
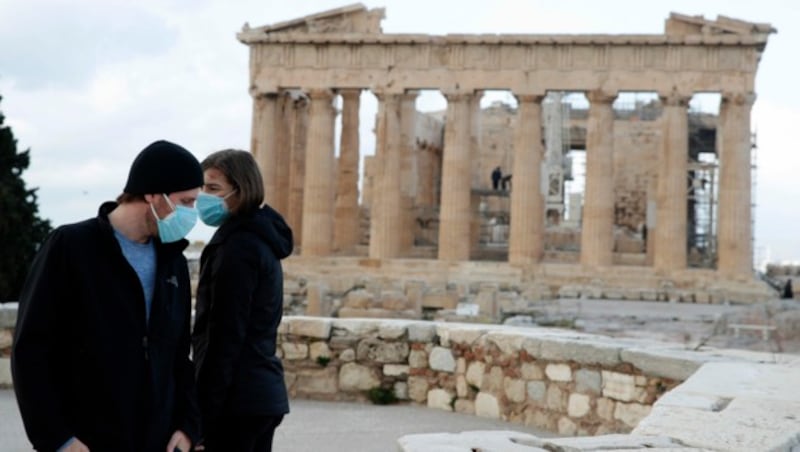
{"x": 693, "y": 325}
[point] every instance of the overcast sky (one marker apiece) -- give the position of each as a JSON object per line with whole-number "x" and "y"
{"x": 86, "y": 84}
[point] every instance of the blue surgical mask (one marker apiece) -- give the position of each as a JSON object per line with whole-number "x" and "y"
{"x": 177, "y": 224}
{"x": 212, "y": 209}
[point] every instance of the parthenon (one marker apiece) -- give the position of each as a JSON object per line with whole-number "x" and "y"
{"x": 426, "y": 172}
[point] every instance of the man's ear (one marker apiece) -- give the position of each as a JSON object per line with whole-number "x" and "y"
{"x": 150, "y": 198}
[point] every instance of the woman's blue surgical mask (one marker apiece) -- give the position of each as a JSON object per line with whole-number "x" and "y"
{"x": 212, "y": 209}
{"x": 177, "y": 224}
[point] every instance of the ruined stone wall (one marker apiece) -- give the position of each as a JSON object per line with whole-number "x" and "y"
{"x": 563, "y": 382}
{"x": 636, "y": 149}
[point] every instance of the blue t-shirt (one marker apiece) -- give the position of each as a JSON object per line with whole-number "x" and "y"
{"x": 142, "y": 257}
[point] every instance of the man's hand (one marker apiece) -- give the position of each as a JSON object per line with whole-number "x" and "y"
{"x": 180, "y": 441}
{"x": 75, "y": 446}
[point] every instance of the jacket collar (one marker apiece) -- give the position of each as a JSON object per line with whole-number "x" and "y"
{"x": 161, "y": 248}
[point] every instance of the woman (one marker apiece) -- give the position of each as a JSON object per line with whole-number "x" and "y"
{"x": 239, "y": 306}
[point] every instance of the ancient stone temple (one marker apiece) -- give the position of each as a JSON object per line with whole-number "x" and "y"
{"x": 427, "y": 204}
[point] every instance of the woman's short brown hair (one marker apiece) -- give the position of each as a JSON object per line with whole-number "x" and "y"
{"x": 241, "y": 170}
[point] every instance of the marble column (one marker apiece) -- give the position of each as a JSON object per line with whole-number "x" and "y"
{"x": 526, "y": 234}
{"x": 455, "y": 212}
{"x": 264, "y": 144}
{"x": 346, "y": 231}
{"x": 386, "y": 212}
{"x": 410, "y": 174}
{"x": 285, "y": 109}
{"x": 317, "y": 206}
{"x": 734, "y": 227}
{"x": 597, "y": 231}
{"x": 298, "y": 131}
{"x": 673, "y": 172}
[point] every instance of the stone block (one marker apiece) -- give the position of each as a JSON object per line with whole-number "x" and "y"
{"x": 394, "y": 330}
{"x": 319, "y": 350}
{"x": 514, "y": 389}
{"x": 462, "y": 389}
{"x": 619, "y": 386}
{"x": 508, "y": 343}
{"x": 475, "y": 372}
{"x": 310, "y": 327}
{"x": 582, "y": 352}
{"x": 440, "y": 301}
{"x": 418, "y": 389}
{"x": 554, "y": 398}
{"x": 558, "y": 372}
{"x": 418, "y": 359}
{"x": 358, "y": 299}
{"x": 656, "y": 363}
{"x": 631, "y": 413}
{"x": 440, "y": 399}
{"x": 401, "y": 390}
{"x": 578, "y": 405}
{"x": 376, "y": 350}
{"x": 395, "y": 370}
{"x": 588, "y": 381}
{"x": 442, "y": 359}
{"x": 294, "y": 351}
{"x": 394, "y": 300}
{"x": 531, "y": 371}
{"x": 421, "y": 332}
{"x": 605, "y": 408}
{"x": 487, "y": 405}
{"x": 355, "y": 377}
{"x": 347, "y": 355}
{"x": 536, "y": 391}
{"x": 493, "y": 382}
{"x": 566, "y": 426}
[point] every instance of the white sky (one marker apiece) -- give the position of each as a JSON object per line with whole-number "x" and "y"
{"x": 86, "y": 84}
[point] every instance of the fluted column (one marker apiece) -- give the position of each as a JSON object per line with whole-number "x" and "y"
{"x": 317, "y": 206}
{"x": 409, "y": 155}
{"x": 346, "y": 228}
{"x": 386, "y": 212}
{"x": 734, "y": 227}
{"x": 285, "y": 110}
{"x": 298, "y": 127}
{"x": 597, "y": 232}
{"x": 455, "y": 214}
{"x": 526, "y": 235}
{"x": 671, "y": 199}
{"x": 264, "y": 143}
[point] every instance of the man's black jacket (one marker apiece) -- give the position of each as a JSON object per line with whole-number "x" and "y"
{"x": 85, "y": 362}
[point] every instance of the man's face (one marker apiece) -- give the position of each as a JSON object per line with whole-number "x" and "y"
{"x": 183, "y": 198}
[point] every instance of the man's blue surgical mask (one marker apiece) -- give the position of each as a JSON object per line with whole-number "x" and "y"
{"x": 177, "y": 224}
{"x": 212, "y": 209}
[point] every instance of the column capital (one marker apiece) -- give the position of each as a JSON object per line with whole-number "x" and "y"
{"x": 600, "y": 96}
{"x": 349, "y": 93}
{"x": 319, "y": 93}
{"x": 457, "y": 96}
{"x": 738, "y": 98}
{"x": 536, "y": 98}
{"x": 675, "y": 98}
{"x": 258, "y": 95}
{"x": 384, "y": 95}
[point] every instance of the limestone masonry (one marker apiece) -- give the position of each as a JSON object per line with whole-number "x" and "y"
{"x": 667, "y": 195}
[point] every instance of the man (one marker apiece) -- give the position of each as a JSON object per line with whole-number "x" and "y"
{"x": 101, "y": 347}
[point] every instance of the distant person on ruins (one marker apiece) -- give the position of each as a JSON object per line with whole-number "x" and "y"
{"x": 787, "y": 290}
{"x": 101, "y": 346}
{"x": 505, "y": 182}
{"x": 497, "y": 175}
{"x": 240, "y": 381}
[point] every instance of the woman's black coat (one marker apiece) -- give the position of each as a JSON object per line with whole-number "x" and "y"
{"x": 239, "y": 306}
{"x": 86, "y": 363}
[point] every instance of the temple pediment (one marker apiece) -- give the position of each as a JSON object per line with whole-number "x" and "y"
{"x": 355, "y": 18}
{"x": 679, "y": 24}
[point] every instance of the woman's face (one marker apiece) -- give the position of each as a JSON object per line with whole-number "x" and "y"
{"x": 215, "y": 183}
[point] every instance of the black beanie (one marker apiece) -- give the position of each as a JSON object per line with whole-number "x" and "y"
{"x": 163, "y": 167}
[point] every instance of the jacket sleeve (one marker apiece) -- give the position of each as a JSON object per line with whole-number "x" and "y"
{"x": 234, "y": 279}
{"x": 35, "y": 354}
{"x": 187, "y": 416}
